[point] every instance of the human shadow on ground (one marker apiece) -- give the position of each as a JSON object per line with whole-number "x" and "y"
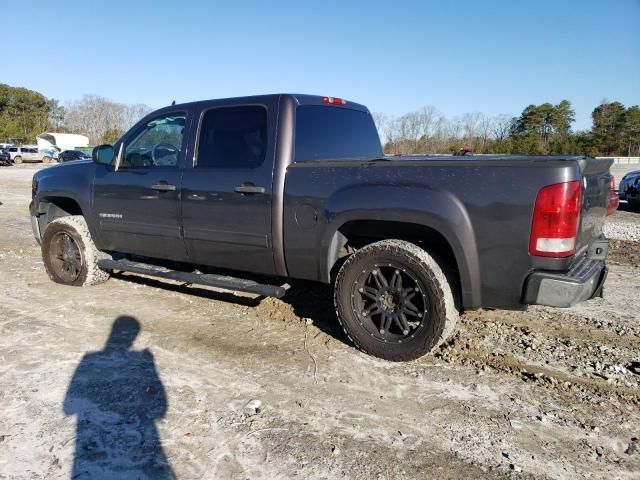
{"x": 117, "y": 396}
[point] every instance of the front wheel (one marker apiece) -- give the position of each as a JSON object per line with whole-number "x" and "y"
{"x": 46, "y": 159}
{"x": 69, "y": 254}
{"x": 394, "y": 301}
{"x": 17, "y": 159}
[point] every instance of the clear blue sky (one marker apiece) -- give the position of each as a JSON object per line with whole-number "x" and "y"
{"x": 492, "y": 56}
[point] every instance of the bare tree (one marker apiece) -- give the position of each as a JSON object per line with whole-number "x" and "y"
{"x": 411, "y": 130}
{"x": 501, "y": 125}
{"x": 428, "y": 118}
{"x": 428, "y": 131}
{"x": 484, "y": 131}
{"x": 94, "y": 116}
{"x": 470, "y": 125}
{"x": 133, "y": 113}
{"x": 383, "y": 123}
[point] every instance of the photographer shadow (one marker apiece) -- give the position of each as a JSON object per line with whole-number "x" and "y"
{"x": 117, "y": 396}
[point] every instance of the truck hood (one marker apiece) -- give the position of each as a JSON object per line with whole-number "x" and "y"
{"x": 74, "y": 162}
{"x": 66, "y": 169}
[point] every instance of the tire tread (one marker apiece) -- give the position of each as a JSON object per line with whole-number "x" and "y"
{"x": 429, "y": 268}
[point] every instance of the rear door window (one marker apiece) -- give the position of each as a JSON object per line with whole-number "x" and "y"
{"x": 232, "y": 137}
{"x": 327, "y": 133}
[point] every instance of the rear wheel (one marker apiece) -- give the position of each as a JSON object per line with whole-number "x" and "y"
{"x": 69, "y": 254}
{"x": 17, "y": 159}
{"x": 46, "y": 159}
{"x": 394, "y": 301}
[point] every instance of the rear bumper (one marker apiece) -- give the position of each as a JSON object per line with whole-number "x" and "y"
{"x": 584, "y": 281}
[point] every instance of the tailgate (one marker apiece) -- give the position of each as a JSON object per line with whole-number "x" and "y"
{"x": 597, "y": 181}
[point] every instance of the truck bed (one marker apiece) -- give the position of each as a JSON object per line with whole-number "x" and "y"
{"x": 481, "y": 205}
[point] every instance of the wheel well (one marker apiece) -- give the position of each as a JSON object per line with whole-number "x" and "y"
{"x": 357, "y": 234}
{"x": 55, "y": 207}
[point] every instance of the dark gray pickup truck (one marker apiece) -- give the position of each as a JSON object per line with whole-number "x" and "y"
{"x": 296, "y": 186}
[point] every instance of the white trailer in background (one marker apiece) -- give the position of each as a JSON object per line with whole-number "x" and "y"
{"x": 61, "y": 141}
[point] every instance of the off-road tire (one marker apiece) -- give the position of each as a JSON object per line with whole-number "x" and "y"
{"x": 440, "y": 314}
{"x": 76, "y": 227}
{"x": 17, "y": 159}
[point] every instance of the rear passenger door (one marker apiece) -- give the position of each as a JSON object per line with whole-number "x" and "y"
{"x": 30, "y": 154}
{"x": 226, "y": 193}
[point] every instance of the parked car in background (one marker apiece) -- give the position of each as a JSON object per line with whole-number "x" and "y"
{"x": 5, "y": 158}
{"x": 28, "y": 154}
{"x": 69, "y": 155}
{"x": 626, "y": 182}
{"x": 632, "y": 193}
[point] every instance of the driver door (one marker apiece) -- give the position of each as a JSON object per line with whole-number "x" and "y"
{"x": 136, "y": 201}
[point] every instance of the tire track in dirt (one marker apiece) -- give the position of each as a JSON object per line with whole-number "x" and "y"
{"x": 567, "y": 358}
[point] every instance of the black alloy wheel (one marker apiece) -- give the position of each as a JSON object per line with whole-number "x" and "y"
{"x": 390, "y": 302}
{"x": 65, "y": 257}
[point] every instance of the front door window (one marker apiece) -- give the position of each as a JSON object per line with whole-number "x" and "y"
{"x": 157, "y": 144}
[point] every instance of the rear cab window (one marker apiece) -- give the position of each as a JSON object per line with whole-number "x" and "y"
{"x": 334, "y": 133}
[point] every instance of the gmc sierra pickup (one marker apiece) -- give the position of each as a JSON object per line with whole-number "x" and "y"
{"x": 297, "y": 186}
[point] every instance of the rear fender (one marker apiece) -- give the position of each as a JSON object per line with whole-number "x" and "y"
{"x": 437, "y": 209}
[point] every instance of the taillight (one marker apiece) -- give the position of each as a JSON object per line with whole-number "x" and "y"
{"x": 556, "y": 217}
{"x": 614, "y": 201}
{"x": 334, "y": 101}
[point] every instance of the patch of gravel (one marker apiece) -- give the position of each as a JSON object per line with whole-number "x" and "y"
{"x": 624, "y": 224}
{"x": 622, "y": 230}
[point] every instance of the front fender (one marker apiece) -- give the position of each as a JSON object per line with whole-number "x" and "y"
{"x": 65, "y": 181}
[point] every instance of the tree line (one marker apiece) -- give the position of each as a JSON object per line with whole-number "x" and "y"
{"x": 540, "y": 129}
{"x": 543, "y": 129}
{"x": 25, "y": 113}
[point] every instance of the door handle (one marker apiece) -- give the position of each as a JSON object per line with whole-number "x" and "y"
{"x": 163, "y": 187}
{"x": 249, "y": 189}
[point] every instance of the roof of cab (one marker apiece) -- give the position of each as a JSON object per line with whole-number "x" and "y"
{"x": 300, "y": 99}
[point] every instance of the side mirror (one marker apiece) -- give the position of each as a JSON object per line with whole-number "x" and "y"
{"x": 103, "y": 154}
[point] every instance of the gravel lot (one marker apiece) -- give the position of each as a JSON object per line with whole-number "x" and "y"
{"x": 544, "y": 393}
{"x": 624, "y": 225}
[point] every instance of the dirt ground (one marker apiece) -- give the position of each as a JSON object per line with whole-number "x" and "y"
{"x": 544, "y": 393}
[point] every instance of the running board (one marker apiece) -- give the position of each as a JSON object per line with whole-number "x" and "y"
{"x": 211, "y": 280}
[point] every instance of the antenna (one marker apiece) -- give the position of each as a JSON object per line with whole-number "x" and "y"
{"x": 173, "y": 103}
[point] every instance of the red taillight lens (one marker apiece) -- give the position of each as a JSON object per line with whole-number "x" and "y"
{"x": 334, "y": 101}
{"x": 556, "y": 216}
{"x": 614, "y": 201}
